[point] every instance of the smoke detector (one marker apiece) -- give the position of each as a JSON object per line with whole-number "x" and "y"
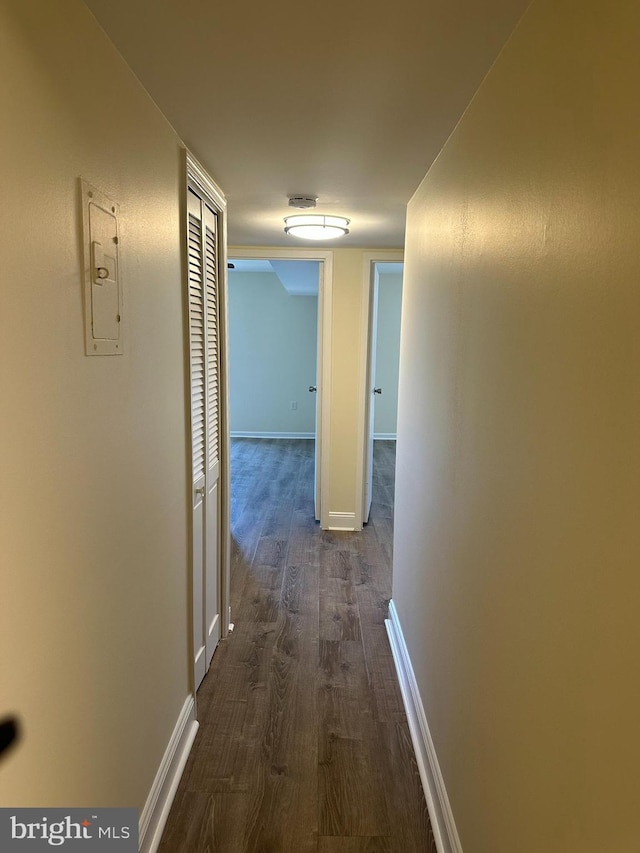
{"x": 303, "y": 202}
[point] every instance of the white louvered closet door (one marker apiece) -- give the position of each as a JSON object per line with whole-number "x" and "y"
{"x": 204, "y": 358}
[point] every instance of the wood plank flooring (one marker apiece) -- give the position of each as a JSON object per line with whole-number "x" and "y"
{"x": 303, "y": 745}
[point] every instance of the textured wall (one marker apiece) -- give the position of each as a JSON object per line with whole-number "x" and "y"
{"x": 94, "y": 582}
{"x": 517, "y": 540}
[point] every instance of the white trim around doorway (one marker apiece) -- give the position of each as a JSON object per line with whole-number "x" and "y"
{"x": 195, "y": 177}
{"x": 325, "y": 308}
{"x": 368, "y": 260}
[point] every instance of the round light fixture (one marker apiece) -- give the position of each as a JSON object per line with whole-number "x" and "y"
{"x": 315, "y": 226}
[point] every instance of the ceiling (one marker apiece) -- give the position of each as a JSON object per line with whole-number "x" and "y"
{"x": 349, "y": 101}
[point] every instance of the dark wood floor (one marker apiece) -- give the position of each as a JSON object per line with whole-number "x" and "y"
{"x": 303, "y": 745}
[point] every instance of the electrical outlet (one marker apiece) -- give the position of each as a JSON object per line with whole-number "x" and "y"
{"x": 293, "y": 405}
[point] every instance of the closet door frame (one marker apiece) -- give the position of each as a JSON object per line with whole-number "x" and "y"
{"x": 201, "y": 183}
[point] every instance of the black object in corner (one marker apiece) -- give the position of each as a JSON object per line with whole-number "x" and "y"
{"x": 9, "y": 733}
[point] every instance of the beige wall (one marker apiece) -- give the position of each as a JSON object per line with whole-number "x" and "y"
{"x": 345, "y": 375}
{"x": 517, "y": 539}
{"x": 93, "y": 585}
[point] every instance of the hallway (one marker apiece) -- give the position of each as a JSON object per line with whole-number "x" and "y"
{"x": 303, "y": 744}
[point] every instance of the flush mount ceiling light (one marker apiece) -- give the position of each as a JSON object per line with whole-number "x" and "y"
{"x": 315, "y": 226}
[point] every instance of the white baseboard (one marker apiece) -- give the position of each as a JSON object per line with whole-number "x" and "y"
{"x": 342, "y": 521}
{"x": 385, "y": 436}
{"x": 442, "y": 822}
{"x": 244, "y": 434}
{"x": 156, "y": 810}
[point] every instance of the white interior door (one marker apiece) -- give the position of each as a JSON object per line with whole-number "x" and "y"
{"x": 204, "y": 358}
{"x": 372, "y": 391}
{"x": 317, "y": 385}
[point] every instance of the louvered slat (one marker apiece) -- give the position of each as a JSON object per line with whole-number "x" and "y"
{"x": 197, "y": 348}
{"x": 211, "y": 285}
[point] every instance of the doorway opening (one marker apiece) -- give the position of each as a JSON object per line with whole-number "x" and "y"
{"x": 273, "y": 350}
{"x": 384, "y": 304}
{"x": 279, "y": 308}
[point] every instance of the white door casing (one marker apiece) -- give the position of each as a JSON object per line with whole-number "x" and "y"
{"x": 368, "y": 326}
{"x": 323, "y": 368}
{"x": 318, "y": 385}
